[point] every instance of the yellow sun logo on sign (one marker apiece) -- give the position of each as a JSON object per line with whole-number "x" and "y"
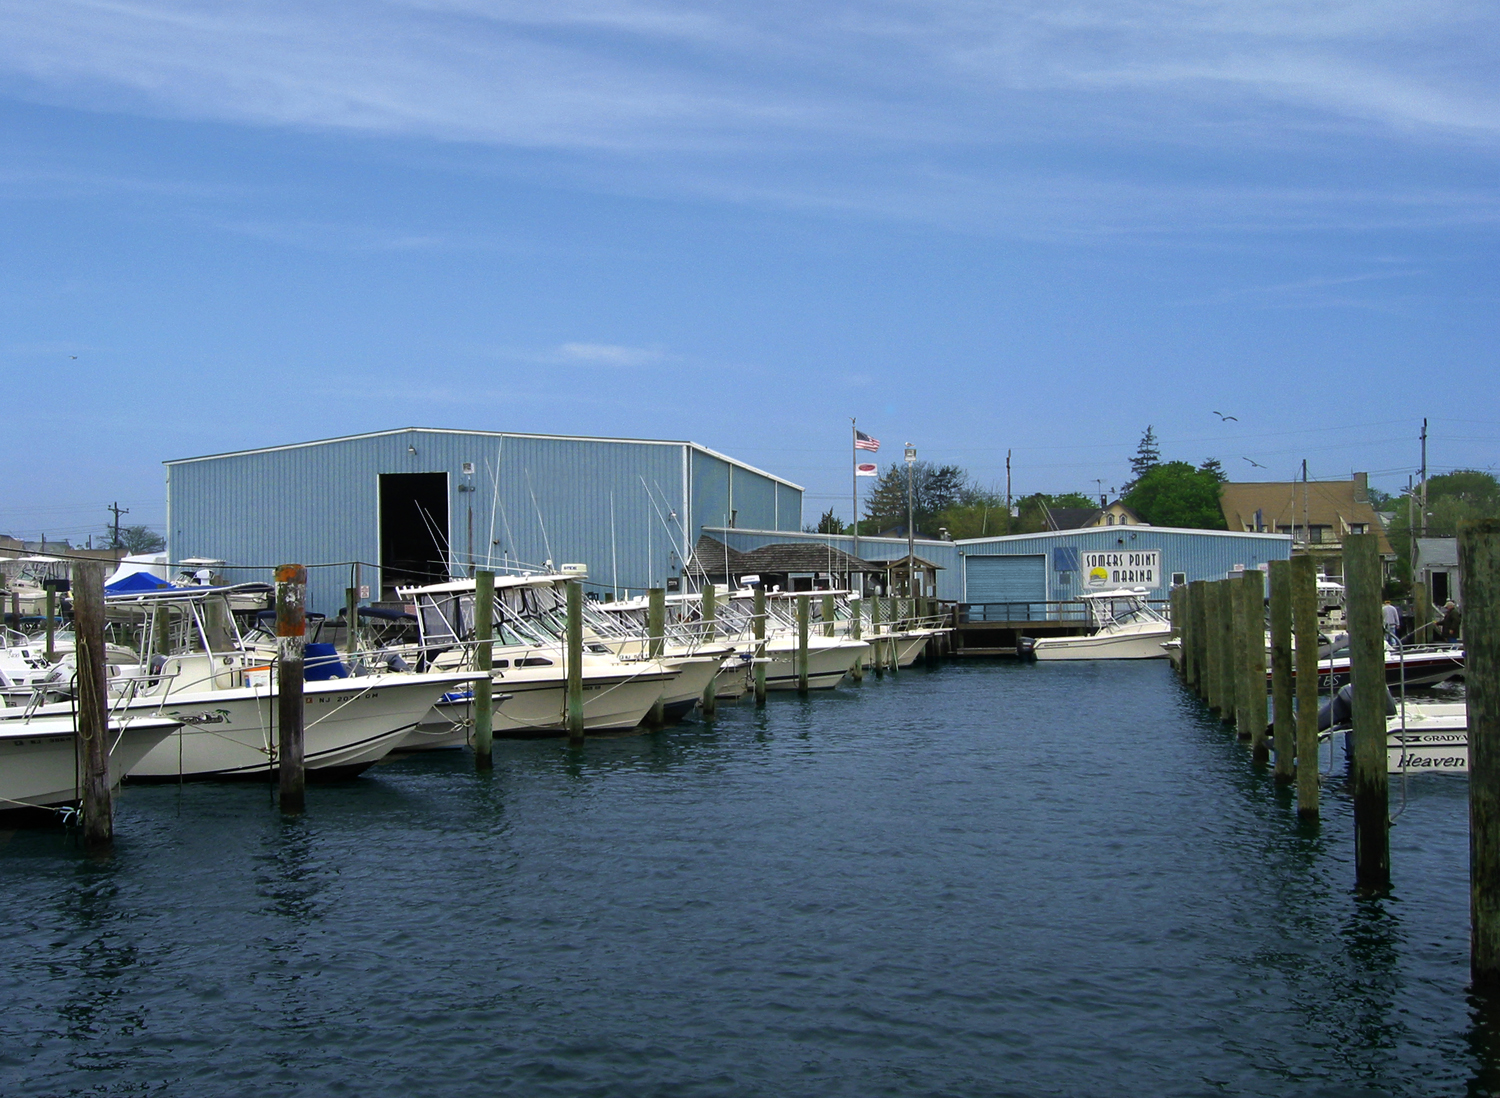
{"x": 1098, "y": 576}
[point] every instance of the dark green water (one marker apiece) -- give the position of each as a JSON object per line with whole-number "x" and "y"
{"x": 984, "y": 880}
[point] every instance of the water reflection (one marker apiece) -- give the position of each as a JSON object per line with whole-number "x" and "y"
{"x": 97, "y": 967}
{"x": 1484, "y": 1043}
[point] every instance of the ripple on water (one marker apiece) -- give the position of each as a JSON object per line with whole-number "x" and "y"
{"x": 988, "y": 879}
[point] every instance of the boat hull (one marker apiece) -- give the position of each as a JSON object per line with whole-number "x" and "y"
{"x": 826, "y": 665}
{"x": 38, "y": 759}
{"x": 1143, "y": 645}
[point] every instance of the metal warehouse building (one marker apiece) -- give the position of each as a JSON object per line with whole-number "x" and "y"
{"x": 419, "y": 504}
{"x": 1058, "y": 565}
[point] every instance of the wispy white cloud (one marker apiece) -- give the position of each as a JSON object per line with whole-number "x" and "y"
{"x": 607, "y": 354}
{"x": 958, "y": 110}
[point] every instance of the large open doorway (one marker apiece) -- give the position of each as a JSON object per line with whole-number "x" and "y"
{"x": 413, "y": 530}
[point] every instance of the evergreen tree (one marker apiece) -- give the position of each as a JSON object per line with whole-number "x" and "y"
{"x": 935, "y": 489}
{"x": 828, "y": 524}
{"x": 1214, "y": 468}
{"x": 1147, "y": 456}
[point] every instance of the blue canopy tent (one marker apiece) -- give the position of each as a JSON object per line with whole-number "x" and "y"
{"x": 135, "y": 584}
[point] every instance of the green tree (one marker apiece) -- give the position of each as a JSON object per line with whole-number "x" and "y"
{"x": 1147, "y": 457}
{"x": 136, "y": 539}
{"x": 1464, "y": 495}
{"x": 1176, "y": 494}
{"x": 935, "y": 488}
{"x": 1214, "y": 467}
{"x": 828, "y": 524}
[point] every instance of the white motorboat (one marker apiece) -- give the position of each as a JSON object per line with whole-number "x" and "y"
{"x": 529, "y": 663}
{"x": 200, "y": 674}
{"x": 1125, "y": 627}
{"x": 1428, "y": 738}
{"x": 39, "y": 756}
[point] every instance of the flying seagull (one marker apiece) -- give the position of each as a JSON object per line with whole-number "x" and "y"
{"x": 72, "y": 356}
{"x": 1257, "y": 464}
{"x": 1222, "y": 416}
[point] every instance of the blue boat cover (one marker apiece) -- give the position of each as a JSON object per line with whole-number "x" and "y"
{"x": 135, "y": 583}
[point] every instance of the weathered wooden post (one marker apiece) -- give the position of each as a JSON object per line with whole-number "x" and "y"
{"x": 656, "y": 632}
{"x": 575, "y": 654}
{"x": 856, "y": 628}
{"x": 1421, "y": 600}
{"x": 484, "y": 660}
{"x": 1304, "y": 585}
{"x": 93, "y": 704}
{"x": 1198, "y": 597}
{"x": 1209, "y": 643}
{"x": 1178, "y": 632}
{"x": 894, "y": 651}
{"x": 1237, "y": 594}
{"x": 52, "y": 623}
{"x": 291, "y": 637}
{"x": 1228, "y": 667}
{"x": 829, "y": 612}
{"x": 1479, "y": 563}
{"x": 15, "y": 609}
{"x": 710, "y": 700}
{"x": 1372, "y": 849}
{"x": 760, "y": 645}
{"x": 877, "y": 652}
{"x": 1281, "y": 671}
{"x": 1253, "y": 702}
{"x": 351, "y": 621}
{"x": 804, "y": 617}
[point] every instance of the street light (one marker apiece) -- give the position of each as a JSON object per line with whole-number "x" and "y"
{"x": 911, "y": 551}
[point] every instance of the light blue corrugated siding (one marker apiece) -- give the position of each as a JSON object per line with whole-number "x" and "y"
{"x": 1010, "y": 578}
{"x": 1201, "y": 554}
{"x": 534, "y": 499}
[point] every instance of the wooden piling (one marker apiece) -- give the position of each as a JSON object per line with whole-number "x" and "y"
{"x": 1178, "y": 633}
{"x": 1479, "y": 563}
{"x": 1252, "y": 697}
{"x": 52, "y": 624}
{"x": 1208, "y": 678}
{"x": 1421, "y": 600}
{"x": 575, "y": 654}
{"x": 656, "y": 632}
{"x": 1285, "y": 737}
{"x": 1228, "y": 678}
{"x": 291, "y": 638}
{"x": 1197, "y": 597}
{"x": 760, "y": 645}
{"x": 1304, "y": 586}
{"x": 710, "y": 700}
{"x": 804, "y": 617}
{"x": 856, "y": 629}
{"x": 93, "y": 704}
{"x": 1237, "y": 593}
{"x": 877, "y": 649}
{"x": 894, "y": 649}
{"x": 828, "y": 610}
{"x": 351, "y": 621}
{"x": 484, "y": 660}
{"x": 1372, "y": 850}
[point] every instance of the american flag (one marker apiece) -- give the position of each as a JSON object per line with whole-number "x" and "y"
{"x": 863, "y": 441}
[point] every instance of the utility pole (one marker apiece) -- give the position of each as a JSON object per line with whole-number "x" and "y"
{"x": 1007, "y": 491}
{"x": 118, "y": 511}
{"x": 1424, "y": 476}
{"x": 911, "y": 534}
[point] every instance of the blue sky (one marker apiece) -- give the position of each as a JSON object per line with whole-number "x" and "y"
{"x": 975, "y": 226}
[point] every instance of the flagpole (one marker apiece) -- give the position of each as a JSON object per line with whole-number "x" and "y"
{"x": 854, "y": 484}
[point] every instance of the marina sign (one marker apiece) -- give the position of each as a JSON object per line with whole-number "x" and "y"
{"x": 1102, "y": 571}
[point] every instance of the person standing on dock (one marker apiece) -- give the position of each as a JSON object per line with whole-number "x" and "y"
{"x": 1392, "y": 623}
{"x": 1450, "y": 625}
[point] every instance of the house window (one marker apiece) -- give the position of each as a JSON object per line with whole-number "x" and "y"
{"x": 1359, "y": 528}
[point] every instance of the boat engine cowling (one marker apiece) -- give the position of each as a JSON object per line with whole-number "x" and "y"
{"x": 1338, "y": 711}
{"x": 1026, "y": 648}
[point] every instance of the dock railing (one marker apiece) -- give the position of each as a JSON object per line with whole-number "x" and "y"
{"x": 1055, "y": 610}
